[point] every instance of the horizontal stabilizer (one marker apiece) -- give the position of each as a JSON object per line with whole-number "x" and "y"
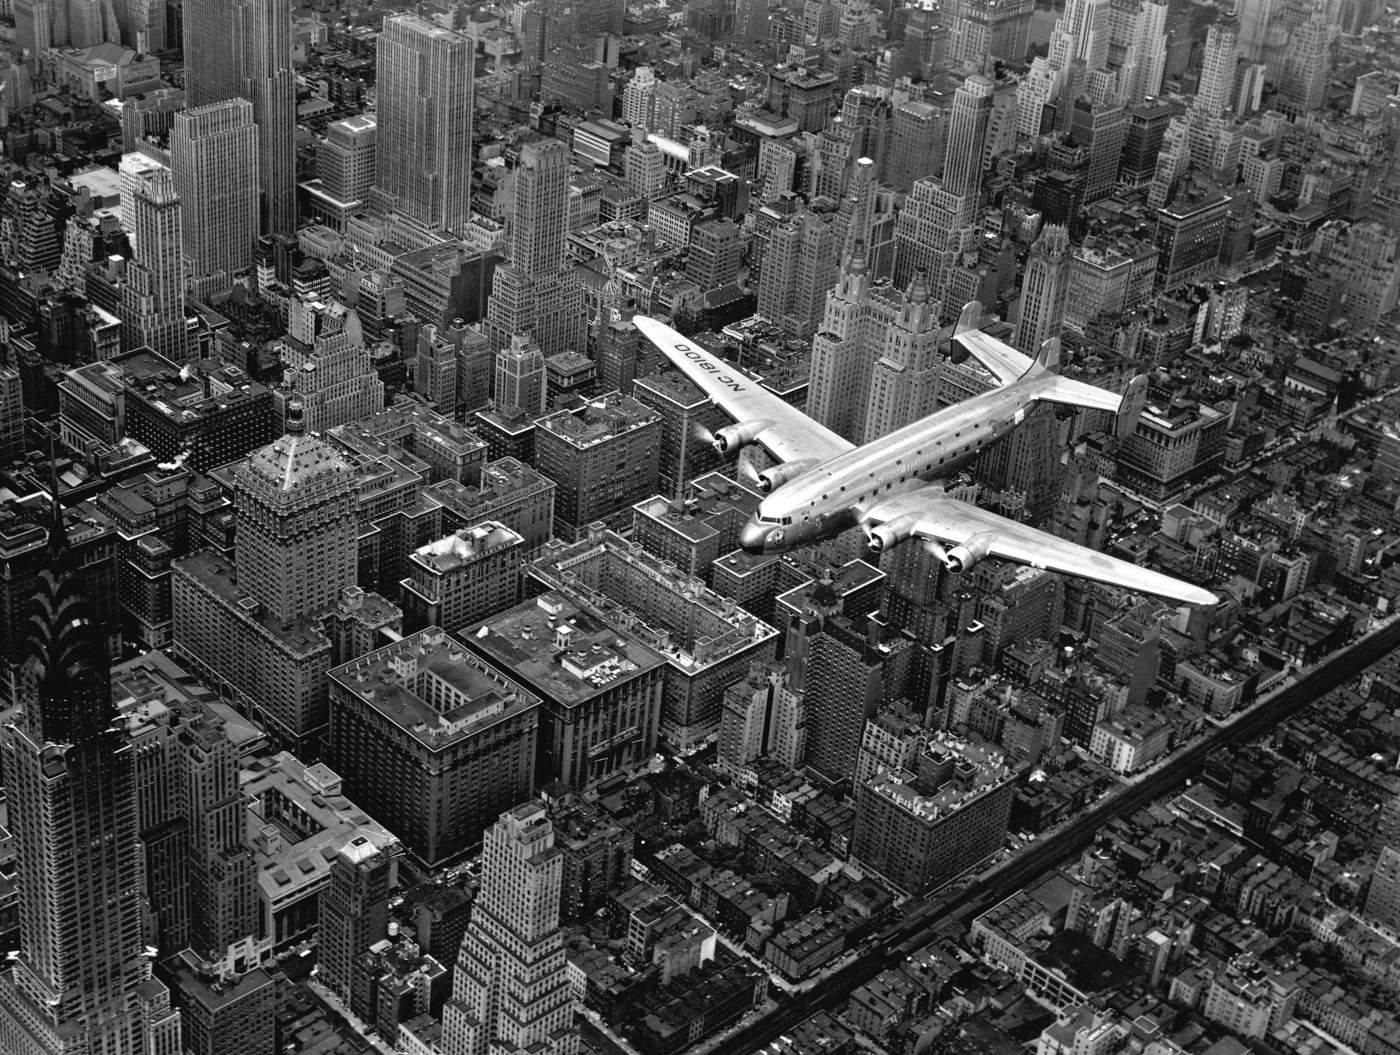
{"x": 1079, "y": 394}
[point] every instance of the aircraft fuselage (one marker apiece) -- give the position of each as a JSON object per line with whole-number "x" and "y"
{"x": 828, "y": 499}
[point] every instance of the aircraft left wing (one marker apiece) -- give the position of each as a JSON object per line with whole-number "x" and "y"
{"x": 780, "y": 428}
{"x": 929, "y": 513}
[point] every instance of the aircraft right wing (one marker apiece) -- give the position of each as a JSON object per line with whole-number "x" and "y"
{"x": 932, "y": 514}
{"x": 762, "y": 417}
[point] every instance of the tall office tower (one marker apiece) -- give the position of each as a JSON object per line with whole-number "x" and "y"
{"x": 34, "y": 25}
{"x": 1140, "y": 31}
{"x": 345, "y": 159}
{"x": 1043, "y": 289}
{"x": 11, "y": 412}
{"x": 294, "y": 504}
{"x": 214, "y": 160}
{"x": 904, "y": 382}
{"x": 967, "y": 133}
{"x": 916, "y": 144}
{"x": 1102, "y": 129}
{"x": 1173, "y": 159}
{"x": 933, "y": 227}
{"x": 537, "y": 292}
{"x": 353, "y": 911}
{"x": 511, "y": 989}
{"x": 262, "y": 34}
{"x": 639, "y": 98}
{"x": 1215, "y": 92}
{"x": 1082, "y": 33}
{"x": 425, "y": 120}
{"x": 685, "y": 413}
{"x": 81, "y": 973}
{"x": 153, "y": 296}
{"x": 243, "y": 48}
{"x": 843, "y": 668}
{"x": 1307, "y": 63}
{"x": 982, "y": 29}
{"x": 326, "y": 366}
{"x": 750, "y": 21}
{"x": 844, "y": 349}
{"x": 142, "y": 24}
{"x": 211, "y": 65}
{"x": 800, "y": 265}
{"x": 520, "y": 375}
{"x": 644, "y": 169}
{"x": 1255, "y": 16}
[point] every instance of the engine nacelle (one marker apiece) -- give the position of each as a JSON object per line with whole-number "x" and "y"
{"x": 772, "y": 478}
{"x": 741, "y": 434}
{"x": 961, "y": 558}
{"x": 891, "y": 533}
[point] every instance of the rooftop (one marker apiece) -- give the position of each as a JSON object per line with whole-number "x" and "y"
{"x": 555, "y": 647}
{"x": 432, "y": 688}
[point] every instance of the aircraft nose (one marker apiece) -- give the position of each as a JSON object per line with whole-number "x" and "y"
{"x": 754, "y": 537}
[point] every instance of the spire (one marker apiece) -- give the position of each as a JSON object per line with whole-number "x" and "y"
{"x": 918, "y": 291}
{"x": 856, "y": 262}
{"x": 66, "y": 672}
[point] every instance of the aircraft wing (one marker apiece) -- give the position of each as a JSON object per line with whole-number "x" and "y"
{"x": 784, "y": 431}
{"x": 930, "y": 513}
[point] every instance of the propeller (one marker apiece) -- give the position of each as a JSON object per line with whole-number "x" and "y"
{"x": 703, "y": 433}
{"x": 747, "y": 473}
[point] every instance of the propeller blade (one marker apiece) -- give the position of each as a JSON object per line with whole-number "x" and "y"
{"x": 703, "y": 433}
{"x": 747, "y": 473}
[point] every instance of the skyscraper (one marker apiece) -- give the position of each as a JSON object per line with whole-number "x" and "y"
{"x": 425, "y": 120}
{"x": 153, "y": 297}
{"x": 244, "y": 48}
{"x": 1043, "y": 289}
{"x": 214, "y": 159}
{"x": 81, "y": 974}
{"x": 520, "y": 375}
{"x": 295, "y": 507}
{"x": 511, "y": 989}
{"x": 537, "y": 292}
{"x": 967, "y": 132}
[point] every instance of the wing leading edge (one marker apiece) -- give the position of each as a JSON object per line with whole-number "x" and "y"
{"x": 788, "y": 434}
{"x": 951, "y": 521}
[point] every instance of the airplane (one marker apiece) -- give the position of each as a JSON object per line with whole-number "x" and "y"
{"x": 893, "y": 487}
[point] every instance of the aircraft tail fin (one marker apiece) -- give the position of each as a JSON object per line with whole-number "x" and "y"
{"x": 1048, "y": 359}
{"x": 1134, "y": 402}
{"x": 970, "y": 319}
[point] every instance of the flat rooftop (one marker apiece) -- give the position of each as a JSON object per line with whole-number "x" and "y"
{"x": 553, "y": 646}
{"x": 401, "y": 681}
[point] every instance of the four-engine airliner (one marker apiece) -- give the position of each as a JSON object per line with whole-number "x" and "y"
{"x": 893, "y": 487}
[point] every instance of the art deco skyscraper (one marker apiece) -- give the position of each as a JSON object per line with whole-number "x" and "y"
{"x": 243, "y": 48}
{"x": 214, "y": 159}
{"x": 537, "y": 292}
{"x": 511, "y": 989}
{"x": 967, "y": 133}
{"x": 81, "y": 980}
{"x": 153, "y": 297}
{"x": 424, "y": 85}
{"x": 1043, "y": 289}
{"x": 294, "y": 501}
